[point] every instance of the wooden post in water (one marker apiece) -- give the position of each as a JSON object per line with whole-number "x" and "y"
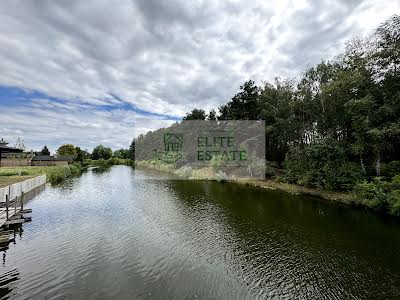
{"x": 7, "y": 196}
{"x": 22, "y": 201}
{"x": 15, "y": 205}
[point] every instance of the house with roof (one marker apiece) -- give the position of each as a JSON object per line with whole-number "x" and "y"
{"x": 14, "y": 157}
{"x": 47, "y": 160}
{"x": 10, "y": 156}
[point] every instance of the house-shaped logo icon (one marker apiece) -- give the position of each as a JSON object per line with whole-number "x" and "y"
{"x": 173, "y": 142}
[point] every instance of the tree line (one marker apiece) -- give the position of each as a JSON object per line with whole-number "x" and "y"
{"x": 338, "y": 125}
{"x": 99, "y": 152}
{"x": 352, "y": 102}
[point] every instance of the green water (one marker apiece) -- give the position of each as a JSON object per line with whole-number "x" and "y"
{"x": 131, "y": 234}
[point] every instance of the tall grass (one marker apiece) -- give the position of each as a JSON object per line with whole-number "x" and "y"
{"x": 59, "y": 173}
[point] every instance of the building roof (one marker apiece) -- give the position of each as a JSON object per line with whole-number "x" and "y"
{"x": 6, "y": 149}
{"x": 51, "y": 158}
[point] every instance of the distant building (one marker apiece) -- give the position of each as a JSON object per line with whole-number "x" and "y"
{"x": 16, "y": 159}
{"x": 13, "y": 157}
{"x": 5, "y": 151}
{"x": 47, "y": 160}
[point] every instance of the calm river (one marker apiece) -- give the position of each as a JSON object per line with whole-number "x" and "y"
{"x": 123, "y": 234}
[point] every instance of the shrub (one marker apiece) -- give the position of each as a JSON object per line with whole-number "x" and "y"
{"x": 258, "y": 166}
{"x": 269, "y": 168}
{"x": 59, "y": 173}
{"x": 391, "y": 169}
{"x": 395, "y": 203}
{"x": 109, "y": 162}
{"x": 185, "y": 172}
{"x": 221, "y": 176}
{"x": 371, "y": 194}
{"x": 379, "y": 194}
{"x": 75, "y": 170}
{"x": 322, "y": 164}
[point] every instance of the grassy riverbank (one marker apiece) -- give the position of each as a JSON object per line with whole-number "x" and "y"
{"x": 294, "y": 189}
{"x": 54, "y": 174}
{"x": 272, "y": 183}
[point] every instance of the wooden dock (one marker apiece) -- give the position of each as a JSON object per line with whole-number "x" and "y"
{"x": 12, "y": 211}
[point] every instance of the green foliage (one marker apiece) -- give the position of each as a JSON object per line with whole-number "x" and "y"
{"x": 195, "y": 114}
{"x": 81, "y": 155}
{"x": 119, "y": 161}
{"x": 101, "y": 152}
{"x": 321, "y": 164}
{"x": 212, "y": 116}
{"x": 54, "y": 174}
{"x": 259, "y": 166}
{"x": 67, "y": 150}
{"x": 371, "y": 194}
{"x": 336, "y": 125}
{"x": 122, "y": 153}
{"x": 244, "y": 105}
{"x": 13, "y": 172}
{"x": 131, "y": 152}
{"x": 379, "y": 195}
{"x": 108, "y": 162}
{"x": 395, "y": 203}
{"x": 59, "y": 173}
{"x": 269, "y": 168}
{"x": 391, "y": 169}
{"x": 45, "y": 151}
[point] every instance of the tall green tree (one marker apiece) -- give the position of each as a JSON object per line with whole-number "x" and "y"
{"x": 212, "y": 115}
{"x": 121, "y": 153}
{"x": 45, "y": 151}
{"x": 132, "y": 150}
{"x": 244, "y": 105}
{"x": 195, "y": 114}
{"x": 101, "y": 152}
{"x": 276, "y": 109}
{"x": 81, "y": 155}
{"x": 67, "y": 150}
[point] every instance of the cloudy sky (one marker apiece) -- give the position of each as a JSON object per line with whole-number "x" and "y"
{"x": 91, "y": 72}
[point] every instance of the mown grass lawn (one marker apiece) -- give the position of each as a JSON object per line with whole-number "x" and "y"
{"x": 10, "y": 175}
{"x": 8, "y": 180}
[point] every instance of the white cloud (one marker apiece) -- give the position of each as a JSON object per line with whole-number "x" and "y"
{"x": 44, "y": 123}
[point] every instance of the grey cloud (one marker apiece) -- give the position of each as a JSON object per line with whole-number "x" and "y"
{"x": 167, "y": 57}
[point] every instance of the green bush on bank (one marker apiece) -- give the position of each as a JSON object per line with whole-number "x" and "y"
{"x": 108, "y": 162}
{"x": 59, "y": 173}
{"x": 379, "y": 195}
{"x": 321, "y": 165}
{"x": 391, "y": 169}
